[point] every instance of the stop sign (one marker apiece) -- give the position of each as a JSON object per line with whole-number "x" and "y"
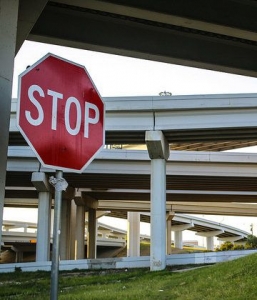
{"x": 60, "y": 113}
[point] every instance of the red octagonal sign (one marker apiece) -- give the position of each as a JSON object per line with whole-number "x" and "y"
{"x": 60, "y": 113}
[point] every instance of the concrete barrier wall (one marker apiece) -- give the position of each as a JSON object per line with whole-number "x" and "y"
{"x": 206, "y": 257}
{"x": 128, "y": 262}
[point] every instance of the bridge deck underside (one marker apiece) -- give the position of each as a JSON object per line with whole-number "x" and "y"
{"x": 137, "y": 187}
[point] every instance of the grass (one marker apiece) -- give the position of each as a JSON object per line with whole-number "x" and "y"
{"x": 235, "y": 280}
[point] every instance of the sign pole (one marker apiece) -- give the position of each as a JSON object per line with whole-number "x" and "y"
{"x": 60, "y": 185}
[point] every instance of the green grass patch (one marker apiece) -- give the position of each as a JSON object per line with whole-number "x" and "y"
{"x": 235, "y": 280}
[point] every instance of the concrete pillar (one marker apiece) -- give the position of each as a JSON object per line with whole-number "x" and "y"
{"x": 168, "y": 239}
{"x": 65, "y": 238}
{"x": 210, "y": 243}
{"x": 90, "y": 205}
{"x": 40, "y": 181}
{"x": 65, "y": 230}
{"x": 169, "y": 218}
{"x": 8, "y": 29}
{"x": 158, "y": 150}
{"x": 43, "y": 227}
{"x": 80, "y": 233}
{"x": 133, "y": 234}
{"x": 52, "y": 224}
{"x": 91, "y": 233}
{"x": 73, "y": 229}
{"x": 178, "y": 239}
{"x": 210, "y": 237}
{"x": 178, "y": 233}
{"x": 19, "y": 256}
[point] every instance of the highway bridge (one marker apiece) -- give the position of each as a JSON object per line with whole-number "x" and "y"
{"x": 215, "y": 35}
{"x": 119, "y": 176}
{"x": 21, "y": 237}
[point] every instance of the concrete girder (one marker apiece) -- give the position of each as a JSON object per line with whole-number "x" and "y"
{"x": 29, "y": 11}
{"x": 185, "y": 25}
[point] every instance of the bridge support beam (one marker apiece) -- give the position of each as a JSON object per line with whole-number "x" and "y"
{"x": 158, "y": 150}
{"x": 8, "y": 25}
{"x": 231, "y": 239}
{"x": 40, "y": 181}
{"x": 133, "y": 234}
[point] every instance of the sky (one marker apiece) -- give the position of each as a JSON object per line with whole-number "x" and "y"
{"x": 115, "y": 75}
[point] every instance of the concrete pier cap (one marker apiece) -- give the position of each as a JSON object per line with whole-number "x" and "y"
{"x": 41, "y": 182}
{"x": 157, "y": 145}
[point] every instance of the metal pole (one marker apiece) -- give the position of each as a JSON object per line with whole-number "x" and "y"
{"x": 60, "y": 184}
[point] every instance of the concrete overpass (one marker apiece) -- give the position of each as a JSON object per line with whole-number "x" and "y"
{"x": 22, "y": 236}
{"x": 117, "y": 179}
{"x": 198, "y": 122}
{"x": 189, "y": 33}
{"x": 125, "y": 175}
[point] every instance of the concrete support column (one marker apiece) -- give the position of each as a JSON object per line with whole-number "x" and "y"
{"x": 90, "y": 205}
{"x": 65, "y": 230}
{"x": 43, "y": 228}
{"x": 18, "y": 255}
{"x": 210, "y": 243}
{"x": 65, "y": 238}
{"x": 91, "y": 233}
{"x": 168, "y": 238}
{"x": 178, "y": 239}
{"x": 52, "y": 224}
{"x": 8, "y": 30}
{"x": 178, "y": 234}
{"x": 73, "y": 229}
{"x": 133, "y": 234}
{"x": 170, "y": 216}
{"x": 158, "y": 150}
{"x": 40, "y": 181}
{"x": 210, "y": 237}
{"x": 80, "y": 233}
